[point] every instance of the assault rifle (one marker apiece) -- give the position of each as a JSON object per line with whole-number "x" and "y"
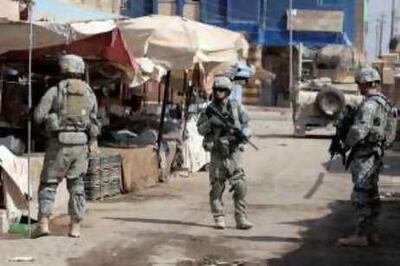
{"x": 343, "y": 126}
{"x": 227, "y": 120}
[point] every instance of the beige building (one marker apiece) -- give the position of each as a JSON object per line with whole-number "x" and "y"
{"x": 112, "y": 6}
{"x": 191, "y": 8}
{"x": 9, "y": 10}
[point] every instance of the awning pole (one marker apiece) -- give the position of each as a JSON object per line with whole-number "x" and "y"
{"x": 291, "y": 49}
{"x": 30, "y": 4}
{"x": 163, "y": 109}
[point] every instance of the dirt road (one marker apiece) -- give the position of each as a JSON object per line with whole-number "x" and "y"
{"x": 297, "y": 207}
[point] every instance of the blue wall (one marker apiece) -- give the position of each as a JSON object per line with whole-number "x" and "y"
{"x": 263, "y": 20}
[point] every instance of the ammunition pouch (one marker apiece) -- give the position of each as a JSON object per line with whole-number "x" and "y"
{"x": 72, "y": 138}
{"x": 224, "y": 146}
{"x": 52, "y": 123}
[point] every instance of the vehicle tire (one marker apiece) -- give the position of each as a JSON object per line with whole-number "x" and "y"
{"x": 330, "y": 101}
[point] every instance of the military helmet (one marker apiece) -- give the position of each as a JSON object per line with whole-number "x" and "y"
{"x": 71, "y": 64}
{"x": 222, "y": 82}
{"x": 368, "y": 74}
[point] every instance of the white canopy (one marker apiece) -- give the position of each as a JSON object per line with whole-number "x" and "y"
{"x": 14, "y": 35}
{"x": 178, "y": 43}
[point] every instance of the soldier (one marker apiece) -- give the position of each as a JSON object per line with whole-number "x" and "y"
{"x": 69, "y": 113}
{"x": 369, "y": 135}
{"x": 225, "y": 150}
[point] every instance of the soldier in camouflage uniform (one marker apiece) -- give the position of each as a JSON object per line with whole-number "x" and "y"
{"x": 367, "y": 140}
{"x": 69, "y": 113}
{"x": 226, "y": 152}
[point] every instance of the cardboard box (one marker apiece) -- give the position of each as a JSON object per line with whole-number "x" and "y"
{"x": 388, "y": 76}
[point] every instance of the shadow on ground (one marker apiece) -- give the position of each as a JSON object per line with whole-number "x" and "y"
{"x": 317, "y": 245}
{"x": 189, "y": 251}
{"x": 156, "y": 221}
{"x": 391, "y": 165}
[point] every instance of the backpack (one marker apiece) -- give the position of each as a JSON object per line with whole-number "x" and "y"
{"x": 385, "y": 130}
{"x": 75, "y": 106}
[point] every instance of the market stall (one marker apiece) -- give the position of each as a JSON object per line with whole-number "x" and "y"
{"x": 147, "y": 84}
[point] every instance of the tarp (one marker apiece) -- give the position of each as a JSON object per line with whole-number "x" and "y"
{"x": 178, "y": 43}
{"x": 16, "y": 180}
{"x": 94, "y": 40}
{"x": 195, "y": 155}
{"x": 14, "y": 35}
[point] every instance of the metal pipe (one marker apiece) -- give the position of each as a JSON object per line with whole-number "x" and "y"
{"x": 290, "y": 48}
{"x": 30, "y": 10}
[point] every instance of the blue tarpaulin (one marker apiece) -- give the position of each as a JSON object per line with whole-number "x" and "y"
{"x": 62, "y": 12}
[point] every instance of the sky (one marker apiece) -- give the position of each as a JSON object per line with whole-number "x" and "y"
{"x": 375, "y": 10}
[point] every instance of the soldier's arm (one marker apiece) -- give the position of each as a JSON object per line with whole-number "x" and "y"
{"x": 244, "y": 119}
{"x": 43, "y": 110}
{"x": 362, "y": 124}
{"x": 95, "y": 125}
{"x": 203, "y": 124}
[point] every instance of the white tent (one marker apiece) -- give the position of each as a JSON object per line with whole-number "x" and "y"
{"x": 178, "y": 43}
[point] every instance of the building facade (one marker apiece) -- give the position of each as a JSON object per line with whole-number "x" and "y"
{"x": 111, "y": 6}
{"x": 266, "y": 24}
{"x": 266, "y": 21}
{"x": 9, "y": 10}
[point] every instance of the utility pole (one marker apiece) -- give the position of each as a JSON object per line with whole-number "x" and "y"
{"x": 377, "y": 38}
{"x": 393, "y": 19}
{"x": 380, "y": 27}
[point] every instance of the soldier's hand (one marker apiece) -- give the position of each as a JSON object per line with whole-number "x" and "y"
{"x": 94, "y": 150}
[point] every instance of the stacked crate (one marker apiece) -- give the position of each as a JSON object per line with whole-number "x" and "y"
{"x": 103, "y": 179}
{"x": 387, "y": 66}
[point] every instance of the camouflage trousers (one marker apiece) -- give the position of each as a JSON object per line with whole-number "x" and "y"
{"x": 64, "y": 161}
{"x": 224, "y": 169}
{"x": 365, "y": 196}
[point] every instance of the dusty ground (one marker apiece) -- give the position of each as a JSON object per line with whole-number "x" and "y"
{"x": 297, "y": 207}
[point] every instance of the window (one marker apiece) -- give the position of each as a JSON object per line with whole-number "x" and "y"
{"x": 330, "y": 2}
{"x": 124, "y": 4}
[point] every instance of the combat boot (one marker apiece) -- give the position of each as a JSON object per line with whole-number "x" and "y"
{"x": 219, "y": 222}
{"x": 74, "y": 229}
{"x": 353, "y": 241}
{"x": 243, "y": 224}
{"x": 42, "y": 228}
